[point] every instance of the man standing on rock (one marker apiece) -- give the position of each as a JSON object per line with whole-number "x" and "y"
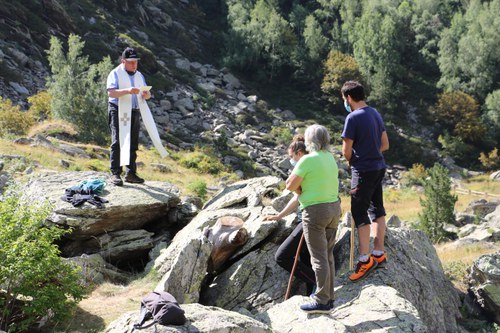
{"x": 128, "y": 93}
{"x": 364, "y": 140}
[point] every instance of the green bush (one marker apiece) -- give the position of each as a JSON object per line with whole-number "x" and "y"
{"x": 415, "y": 175}
{"x": 281, "y": 135}
{"x": 40, "y": 106}
{"x": 203, "y": 161}
{"x": 34, "y": 280}
{"x": 456, "y": 271}
{"x": 12, "y": 120}
{"x": 338, "y": 68}
{"x": 198, "y": 187}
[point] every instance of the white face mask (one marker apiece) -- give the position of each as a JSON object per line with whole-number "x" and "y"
{"x": 293, "y": 162}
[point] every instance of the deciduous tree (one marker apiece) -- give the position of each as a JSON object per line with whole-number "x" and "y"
{"x": 338, "y": 69}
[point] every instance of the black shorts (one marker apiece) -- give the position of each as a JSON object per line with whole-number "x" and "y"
{"x": 367, "y": 200}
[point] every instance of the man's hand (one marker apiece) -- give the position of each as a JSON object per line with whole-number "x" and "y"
{"x": 271, "y": 218}
{"x": 133, "y": 90}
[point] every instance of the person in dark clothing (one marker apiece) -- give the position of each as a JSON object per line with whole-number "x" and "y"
{"x": 364, "y": 139}
{"x": 285, "y": 255}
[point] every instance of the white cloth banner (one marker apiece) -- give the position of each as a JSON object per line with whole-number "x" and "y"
{"x": 125, "y": 117}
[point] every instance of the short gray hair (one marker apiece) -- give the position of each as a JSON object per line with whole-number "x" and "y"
{"x": 317, "y": 138}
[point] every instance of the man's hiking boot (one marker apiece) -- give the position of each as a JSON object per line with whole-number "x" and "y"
{"x": 133, "y": 178}
{"x": 315, "y": 307}
{"x": 116, "y": 180}
{"x": 363, "y": 269}
{"x": 381, "y": 260}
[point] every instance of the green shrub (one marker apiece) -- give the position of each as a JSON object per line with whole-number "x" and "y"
{"x": 203, "y": 161}
{"x": 40, "y": 106}
{"x": 34, "y": 280}
{"x": 415, "y": 175}
{"x": 281, "y": 135}
{"x": 456, "y": 271}
{"x": 198, "y": 187}
{"x": 12, "y": 119}
{"x": 338, "y": 68}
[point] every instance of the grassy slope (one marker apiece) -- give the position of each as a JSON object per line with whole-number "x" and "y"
{"x": 48, "y": 160}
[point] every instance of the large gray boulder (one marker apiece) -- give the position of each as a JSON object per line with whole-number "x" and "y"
{"x": 95, "y": 270}
{"x": 130, "y": 206}
{"x": 357, "y": 309}
{"x": 183, "y": 265}
{"x": 489, "y": 227}
{"x": 481, "y": 207}
{"x": 199, "y": 319}
{"x": 413, "y": 269}
{"x": 484, "y": 284}
{"x": 247, "y": 193}
{"x": 254, "y": 283}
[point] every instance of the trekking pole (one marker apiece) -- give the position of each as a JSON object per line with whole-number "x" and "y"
{"x": 351, "y": 254}
{"x": 294, "y": 267}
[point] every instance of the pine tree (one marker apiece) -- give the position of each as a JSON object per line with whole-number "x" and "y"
{"x": 438, "y": 204}
{"x": 78, "y": 89}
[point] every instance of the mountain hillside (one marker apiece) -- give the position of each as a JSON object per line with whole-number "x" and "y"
{"x": 160, "y": 30}
{"x": 291, "y": 55}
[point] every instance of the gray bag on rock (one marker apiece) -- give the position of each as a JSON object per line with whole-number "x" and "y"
{"x": 163, "y": 308}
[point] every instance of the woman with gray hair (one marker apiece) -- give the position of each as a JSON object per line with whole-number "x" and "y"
{"x": 315, "y": 179}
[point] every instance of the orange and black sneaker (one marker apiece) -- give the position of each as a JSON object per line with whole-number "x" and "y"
{"x": 381, "y": 260}
{"x": 363, "y": 269}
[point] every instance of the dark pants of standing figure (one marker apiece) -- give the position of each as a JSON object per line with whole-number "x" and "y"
{"x": 113, "y": 123}
{"x": 285, "y": 257}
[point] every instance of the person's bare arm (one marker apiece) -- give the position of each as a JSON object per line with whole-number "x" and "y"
{"x": 291, "y": 206}
{"x": 384, "y": 142}
{"x": 293, "y": 183}
{"x": 347, "y": 148}
{"x": 117, "y": 93}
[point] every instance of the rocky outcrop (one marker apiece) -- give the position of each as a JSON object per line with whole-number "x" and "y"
{"x": 183, "y": 265}
{"x": 199, "y": 319}
{"x": 482, "y": 207}
{"x": 129, "y": 207}
{"x": 495, "y": 175}
{"x": 413, "y": 270}
{"x": 484, "y": 284}
{"x": 123, "y": 231}
{"x": 365, "y": 309}
{"x": 95, "y": 270}
{"x": 480, "y": 221}
{"x": 411, "y": 293}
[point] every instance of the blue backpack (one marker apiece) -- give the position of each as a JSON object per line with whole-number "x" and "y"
{"x": 93, "y": 186}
